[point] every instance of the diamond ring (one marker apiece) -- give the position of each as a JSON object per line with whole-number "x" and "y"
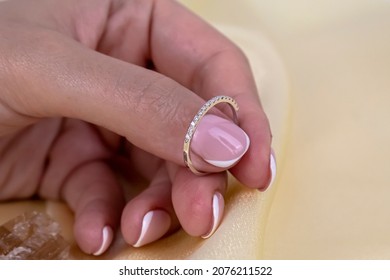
{"x": 196, "y": 120}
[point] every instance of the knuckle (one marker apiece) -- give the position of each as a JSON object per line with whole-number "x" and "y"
{"x": 156, "y": 99}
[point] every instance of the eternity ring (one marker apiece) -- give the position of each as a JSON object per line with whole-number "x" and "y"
{"x": 196, "y": 120}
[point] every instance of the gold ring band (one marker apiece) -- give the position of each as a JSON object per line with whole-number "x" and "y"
{"x": 196, "y": 120}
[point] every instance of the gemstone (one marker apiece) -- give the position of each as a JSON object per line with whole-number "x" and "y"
{"x": 32, "y": 236}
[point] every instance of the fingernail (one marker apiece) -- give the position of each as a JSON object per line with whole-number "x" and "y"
{"x": 272, "y": 168}
{"x": 154, "y": 225}
{"x": 107, "y": 236}
{"x": 218, "y": 207}
{"x": 220, "y": 142}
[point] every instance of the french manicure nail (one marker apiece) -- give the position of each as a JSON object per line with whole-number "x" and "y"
{"x": 107, "y": 236}
{"x": 218, "y": 207}
{"x": 154, "y": 225}
{"x": 219, "y": 141}
{"x": 272, "y": 168}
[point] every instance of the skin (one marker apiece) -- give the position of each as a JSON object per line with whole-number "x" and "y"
{"x": 85, "y": 83}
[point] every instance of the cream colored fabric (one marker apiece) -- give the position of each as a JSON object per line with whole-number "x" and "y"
{"x": 333, "y": 194}
{"x": 333, "y": 197}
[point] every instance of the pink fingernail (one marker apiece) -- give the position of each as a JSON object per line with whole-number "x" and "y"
{"x": 218, "y": 207}
{"x": 219, "y": 142}
{"x": 154, "y": 225}
{"x": 107, "y": 236}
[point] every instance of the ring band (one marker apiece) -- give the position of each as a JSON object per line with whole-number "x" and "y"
{"x": 196, "y": 120}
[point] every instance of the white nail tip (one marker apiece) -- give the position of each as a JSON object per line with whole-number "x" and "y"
{"x": 145, "y": 227}
{"x": 248, "y": 142}
{"x": 228, "y": 163}
{"x": 218, "y": 207}
{"x": 272, "y": 166}
{"x": 223, "y": 163}
{"x": 107, "y": 236}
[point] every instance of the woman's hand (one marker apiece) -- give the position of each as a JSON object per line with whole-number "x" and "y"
{"x": 85, "y": 81}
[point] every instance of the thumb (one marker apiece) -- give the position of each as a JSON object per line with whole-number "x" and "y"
{"x": 62, "y": 78}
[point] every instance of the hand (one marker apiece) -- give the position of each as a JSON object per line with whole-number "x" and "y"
{"x": 85, "y": 81}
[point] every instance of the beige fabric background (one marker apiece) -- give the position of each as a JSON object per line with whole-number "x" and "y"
{"x": 323, "y": 72}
